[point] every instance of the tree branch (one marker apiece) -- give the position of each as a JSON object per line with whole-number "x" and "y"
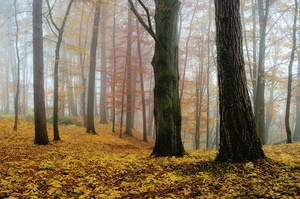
{"x": 50, "y": 14}
{"x": 147, "y": 27}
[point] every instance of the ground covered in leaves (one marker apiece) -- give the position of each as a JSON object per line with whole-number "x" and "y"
{"x": 106, "y": 166}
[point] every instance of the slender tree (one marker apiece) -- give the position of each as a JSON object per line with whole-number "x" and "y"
{"x": 139, "y": 51}
{"x": 60, "y": 31}
{"x": 115, "y": 70}
{"x": 41, "y": 136}
{"x": 103, "y": 111}
{"x": 129, "y": 109}
{"x": 90, "y": 128}
{"x": 208, "y": 79}
{"x": 167, "y": 110}
{"x": 290, "y": 76}
{"x": 187, "y": 51}
{"x": 238, "y": 138}
{"x": 263, "y": 10}
{"x": 17, "y": 98}
{"x": 82, "y": 58}
{"x": 296, "y": 137}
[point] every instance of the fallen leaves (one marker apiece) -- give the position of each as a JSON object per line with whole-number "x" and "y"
{"x": 105, "y": 166}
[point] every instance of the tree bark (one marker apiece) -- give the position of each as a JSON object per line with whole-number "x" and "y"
{"x": 90, "y": 128}
{"x": 167, "y": 110}
{"x": 41, "y": 136}
{"x": 238, "y": 138}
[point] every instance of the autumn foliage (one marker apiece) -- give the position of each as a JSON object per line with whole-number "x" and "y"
{"x": 106, "y": 166}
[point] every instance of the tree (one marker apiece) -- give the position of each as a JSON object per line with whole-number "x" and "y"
{"x": 129, "y": 100}
{"x": 263, "y": 11}
{"x": 60, "y": 31}
{"x": 82, "y": 58}
{"x": 90, "y": 128}
{"x": 41, "y": 136}
{"x": 114, "y": 70}
{"x": 290, "y": 68}
{"x": 17, "y": 98}
{"x": 296, "y": 137}
{"x": 238, "y": 138}
{"x": 140, "y": 62}
{"x": 167, "y": 110}
{"x": 103, "y": 117}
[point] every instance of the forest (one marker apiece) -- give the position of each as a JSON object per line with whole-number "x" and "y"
{"x": 149, "y": 99}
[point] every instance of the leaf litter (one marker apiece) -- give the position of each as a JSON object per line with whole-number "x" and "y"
{"x": 106, "y": 166}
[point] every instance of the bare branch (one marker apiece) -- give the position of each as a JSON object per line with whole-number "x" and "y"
{"x": 50, "y": 14}
{"x": 147, "y": 27}
{"x": 148, "y": 14}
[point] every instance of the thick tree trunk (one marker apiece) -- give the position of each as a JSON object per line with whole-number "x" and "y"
{"x": 90, "y": 128}
{"x": 167, "y": 110}
{"x": 238, "y": 138}
{"x": 41, "y": 136}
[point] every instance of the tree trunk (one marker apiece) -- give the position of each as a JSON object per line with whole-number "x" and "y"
{"x": 208, "y": 81}
{"x": 7, "y": 98}
{"x": 269, "y": 115}
{"x": 150, "y": 109}
{"x": 139, "y": 50}
{"x": 263, "y": 9}
{"x": 128, "y": 129}
{"x": 167, "y": 110}
{"x": 290, "y": 70}
{"x": 57, "y": 58}
{"x": 103, "y": 111}
{"x": 90, "y": 128}
{"x": 238, "y": 138}
{"x": 199, "y": 98}
{"x": 41, "y": 136}
{"x": 296, "y": 137}
{"x": 187, "y": 51}
{"x": 82, "y": 68}
{"x": 115, "y": 71}
{"x": 17, "y": 98}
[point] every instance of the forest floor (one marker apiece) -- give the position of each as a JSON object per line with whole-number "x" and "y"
{"x": 106, "y": 166}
